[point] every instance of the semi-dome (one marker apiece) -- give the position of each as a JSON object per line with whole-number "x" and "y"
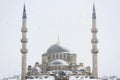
{"x": 57, "y": 48}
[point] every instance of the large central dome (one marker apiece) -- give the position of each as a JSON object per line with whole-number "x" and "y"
{"x": 56, "y": 48}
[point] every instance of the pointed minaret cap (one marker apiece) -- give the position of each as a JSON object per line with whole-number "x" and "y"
{"x": 93, "y": 8}
{"x": 24, "y": 12}
{"x": 94, "y": 13}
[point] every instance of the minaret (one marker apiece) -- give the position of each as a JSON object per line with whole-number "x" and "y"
{"x": 24, "y": 42}
{"x": 94, "y": 42}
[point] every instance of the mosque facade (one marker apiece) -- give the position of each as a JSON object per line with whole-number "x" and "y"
{"x": 58, "y": 59}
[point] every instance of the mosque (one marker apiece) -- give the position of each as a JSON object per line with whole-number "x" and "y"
{"x": 58, "y": 60}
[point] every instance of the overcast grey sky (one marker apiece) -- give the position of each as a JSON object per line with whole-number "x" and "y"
{"x": 71, "y": 19}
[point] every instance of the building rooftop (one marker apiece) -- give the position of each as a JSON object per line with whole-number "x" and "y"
{"x": 56, "y": 48}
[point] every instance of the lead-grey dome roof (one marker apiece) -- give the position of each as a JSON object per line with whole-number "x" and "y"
{"x": 57, "y": 48}
{"x": 36, "y": 70}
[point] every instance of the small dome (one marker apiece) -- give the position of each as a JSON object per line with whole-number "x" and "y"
{"x": 58, "y": 62}
{"x": 29, "y": 67}
{"x": 82, "y": 69}
{"x": 57, "y": 48}
{"x": 36, "y": 70}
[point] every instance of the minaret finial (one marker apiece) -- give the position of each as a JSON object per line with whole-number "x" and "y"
{"x": 58, "y": 39}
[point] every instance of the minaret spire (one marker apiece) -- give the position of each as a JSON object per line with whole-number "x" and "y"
{"x": 58, "y": 40}
{"x": 24, "y": 12}
{"x": 94, "y": 42}
{"x": 24, "y": 42}
{"x": 94, "y": 13}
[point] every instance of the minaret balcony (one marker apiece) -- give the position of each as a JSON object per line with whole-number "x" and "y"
{"x": 24, "y": 50}
{"x": 24, "y": 40}
{"x": 94, "y": 50}
{"x": 24, "y": 29}
{"x": 94, "y": 30}
{"x": 94, "y": 40}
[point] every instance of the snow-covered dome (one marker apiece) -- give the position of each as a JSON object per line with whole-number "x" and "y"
{"x": 36, "y": 70}
{"x": 82, "y": 69}
{"x": 58, "y": 62}
{"x": 56, "y": 48}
